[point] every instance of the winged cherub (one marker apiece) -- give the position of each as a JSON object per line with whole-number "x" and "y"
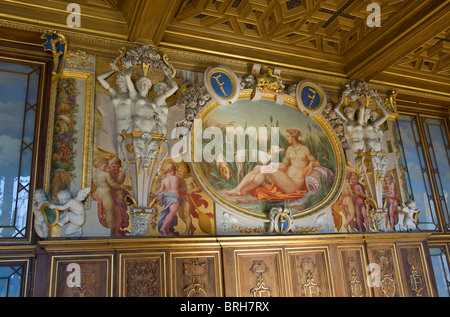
{"x": 74, "y": 215}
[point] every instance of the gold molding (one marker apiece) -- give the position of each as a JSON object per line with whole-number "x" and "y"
{"x": 248, "y": 59}
{"x": 148, "y": 244}
{"x": 199, "y": 60}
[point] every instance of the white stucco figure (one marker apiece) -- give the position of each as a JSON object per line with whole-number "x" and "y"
{"x": 144, "y": 109}
{"x": 354, "y": 119}
{"x": 373, "y": 135}
{"x": 162, "y": 109}
{"x": 406, "y": 216}
{"x": 73, "y": 208}
{"x": 120, "y": 99}
{"x": 40, "y": 224}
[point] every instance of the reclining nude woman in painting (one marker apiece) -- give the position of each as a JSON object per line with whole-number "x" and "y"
{"x": 287, "y": 182}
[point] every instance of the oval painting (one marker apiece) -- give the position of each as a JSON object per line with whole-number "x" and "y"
{"x": 258, "y": 154}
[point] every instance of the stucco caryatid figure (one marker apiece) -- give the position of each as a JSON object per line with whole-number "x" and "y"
{"x": 362, "y": 107}
{"x": 140, "y": 119}
{"x": 354, "y": 120}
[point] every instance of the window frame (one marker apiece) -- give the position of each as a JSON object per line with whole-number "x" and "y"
{"x": 421, "y": 112}
{"x": 30, "y": 55}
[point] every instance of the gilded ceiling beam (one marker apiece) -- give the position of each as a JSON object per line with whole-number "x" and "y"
{"x": 147, "y": 20}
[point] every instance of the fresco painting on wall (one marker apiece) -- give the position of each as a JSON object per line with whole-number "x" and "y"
{"x": 307, "y": 169}
{"x": 109, "y": 190}
{"x": 180, "y": 209}
{"x": 256, "y": 155}
{"x": 72, "y": 126}
{"x": 392, "y": 199}
{"x": 187, "y": 202}
{"x": 64, "y": 136}
{"x": 352, "y": 211}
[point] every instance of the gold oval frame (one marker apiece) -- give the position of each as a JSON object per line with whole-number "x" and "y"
{"x": 324, "y": 125}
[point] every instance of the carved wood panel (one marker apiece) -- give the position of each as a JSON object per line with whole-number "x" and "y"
{"x": 415, "y": 276}
{"x": 310, "y": 273}
{"x": 386, "y": 277}
{"x": 196, "y": 274}
{"x": 81, "y": 276}
{"x": 254, "y": 273}
{"x": 296, "y": 267}
{"x": 142, "y": 275}
{"x": 352, "y": 261}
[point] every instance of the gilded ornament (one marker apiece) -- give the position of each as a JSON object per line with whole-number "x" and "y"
{"x": 56, "y": 43}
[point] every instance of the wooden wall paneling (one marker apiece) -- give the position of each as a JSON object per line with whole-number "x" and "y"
{"x": 385, "y": 256}
{"x": 142, "y": 274}
{"x": 254, "y": 272}
{"x": 96, "y": 275}
{"x": 352, "y": 268}
{"x": 196, "y": 274}
{"x": 414, "y": 270}
{"x": 309, "y": 270}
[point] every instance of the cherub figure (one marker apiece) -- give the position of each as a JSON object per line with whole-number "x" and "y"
{"x": 407, "y": 216}
{"x": 169, "y": 196}
{"x": 40, "y": 224}
{"x": 74, "y": 213}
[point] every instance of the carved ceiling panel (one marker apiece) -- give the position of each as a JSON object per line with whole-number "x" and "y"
{"x": 432, "y": 58}
{"x": 330, "y": 26}
{"x": 325, "y": 37}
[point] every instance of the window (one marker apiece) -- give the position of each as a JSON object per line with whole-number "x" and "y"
{"x": 425, "y": 159}
{"x": 441, "y": 271}
{"x": 13, "y": 279}
{"x": 19, "y": 105}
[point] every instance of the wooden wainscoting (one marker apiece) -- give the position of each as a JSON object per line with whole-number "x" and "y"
{"x": 263, "y": 266}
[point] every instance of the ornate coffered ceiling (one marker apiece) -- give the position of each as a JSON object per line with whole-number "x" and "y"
{"x": 411, "y": 49}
